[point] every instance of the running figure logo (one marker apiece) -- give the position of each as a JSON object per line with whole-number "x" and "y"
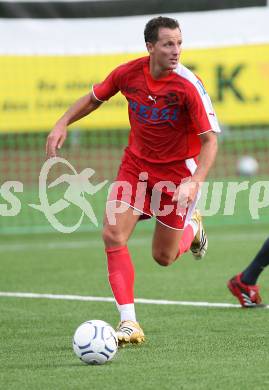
{"x": 79, "y": 185}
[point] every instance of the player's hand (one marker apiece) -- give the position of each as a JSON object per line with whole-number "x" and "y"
{"x": 186, "y": 192}
{"x": 55, "y": 140}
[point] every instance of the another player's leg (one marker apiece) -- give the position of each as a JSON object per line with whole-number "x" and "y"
{"x": 121, "y": 274}
{"x": 244, "y": 285}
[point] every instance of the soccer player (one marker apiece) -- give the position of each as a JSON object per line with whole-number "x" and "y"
{"x": 244, "y": 285}
{"x": 172, "y": 124}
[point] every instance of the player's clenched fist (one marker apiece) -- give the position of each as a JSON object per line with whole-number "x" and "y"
{"x": 186, "y": 193}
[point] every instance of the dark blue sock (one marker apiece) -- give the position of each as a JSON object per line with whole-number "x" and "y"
{"x": 252, "y": 272}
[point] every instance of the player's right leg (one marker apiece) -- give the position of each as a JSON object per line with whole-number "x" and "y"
{"x": 116, "y": 232}
{"x": 199, "y": 244}
{"x": 178, "y": 231}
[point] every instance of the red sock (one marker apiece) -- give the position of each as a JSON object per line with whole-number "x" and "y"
{"x": 186, "y": 240}
{"x": 121, "y": 274}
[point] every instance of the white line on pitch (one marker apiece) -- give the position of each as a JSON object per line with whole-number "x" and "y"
{"x": 60, "y": 245}
{"x": 80, "y": 244}
{"x": 110, "y": 299}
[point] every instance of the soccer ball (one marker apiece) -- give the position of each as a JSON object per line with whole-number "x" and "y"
{"x": 247, "y": 166}
{"x": 95, "y": 342}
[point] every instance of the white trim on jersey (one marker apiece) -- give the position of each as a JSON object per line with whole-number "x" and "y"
{"x": 204, "y": 132}
{"x": 170, "y": 227}
{"x": 184, "y": 72}
{"x": 99, "y": 100}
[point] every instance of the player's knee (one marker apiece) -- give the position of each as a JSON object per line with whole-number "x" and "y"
{"x": 113, "y": 237}
{"x": 163, "y": 258}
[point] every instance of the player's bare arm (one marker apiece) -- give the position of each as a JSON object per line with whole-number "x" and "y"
{"x": 82, "y": 107}
{"x": 207, "y": 156}
{"x": 187, "y": 191}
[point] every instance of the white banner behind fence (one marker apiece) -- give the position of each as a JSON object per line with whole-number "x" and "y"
{"x": 125, "y": 34}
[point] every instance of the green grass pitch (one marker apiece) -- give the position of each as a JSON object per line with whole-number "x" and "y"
{"x": 188, "y": 348}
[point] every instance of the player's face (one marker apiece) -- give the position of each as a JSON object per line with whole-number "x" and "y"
{"x": 166, "y": 51}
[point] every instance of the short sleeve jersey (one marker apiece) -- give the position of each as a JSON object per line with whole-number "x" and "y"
{"x": 166, "y": 115}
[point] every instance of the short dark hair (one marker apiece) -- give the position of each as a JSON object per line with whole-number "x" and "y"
{"x": 152, "y": 27}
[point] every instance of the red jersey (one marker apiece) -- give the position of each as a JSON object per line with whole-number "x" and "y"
{"x": 166, "y": 115}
